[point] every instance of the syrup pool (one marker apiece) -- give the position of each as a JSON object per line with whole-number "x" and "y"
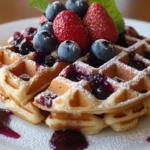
{"x": 148, "y": 139}
{"x": 68, "y": 140}
{"x": 4, "y": 124}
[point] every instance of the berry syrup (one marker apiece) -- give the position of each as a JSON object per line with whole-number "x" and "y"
{"x": 148, "y": 139}
{"x": 74, "y": 74}
{"x": 101, "y": 88}
{"x": 4, "y": 124}
{"x": 45, "y": 60}
{"x": 147, "y": 55}
{"x": 136, "y": 63}
{"x": 68, "y": 140}
{"x": 23, "y": 41}
{"x": 47, "y": 99}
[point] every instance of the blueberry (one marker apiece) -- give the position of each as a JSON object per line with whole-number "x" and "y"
{"x": 44, "y": 42}
{"x": 54, "y": 9}
{"x": 102, "y": 50}
{"x": 47, "y": 25}
{"x": 69, "y": 51}
{"x": 78, "y": 6}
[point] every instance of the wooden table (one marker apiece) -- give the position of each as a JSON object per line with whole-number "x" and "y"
{"x": 18, "y": 9}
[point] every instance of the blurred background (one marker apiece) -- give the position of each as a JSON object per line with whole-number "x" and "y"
{"x": 11, "y": 10}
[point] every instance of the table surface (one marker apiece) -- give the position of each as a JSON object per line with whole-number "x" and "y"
{"x": 18, "y": 9}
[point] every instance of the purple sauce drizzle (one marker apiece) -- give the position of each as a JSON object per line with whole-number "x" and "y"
{"x": 148, "y": 139}
{"x": 147, "y": 55}
{"x": 136, "y": 63}
{"x": 23, "y": 41}
{"x": 4, "y": 124}
{"x": 68, "y": 140}
{"x": 75, "y": 74}
{"x": 45, "y": 60}
{"x": 47, "y": 99}
{"x": 101, "y": 88}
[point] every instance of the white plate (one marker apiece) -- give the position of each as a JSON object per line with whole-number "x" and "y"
{"x": 37, "y": 137}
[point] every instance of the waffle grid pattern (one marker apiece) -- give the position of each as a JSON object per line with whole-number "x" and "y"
{"x": 70, "y": 100}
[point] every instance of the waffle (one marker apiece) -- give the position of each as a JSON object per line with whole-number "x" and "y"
{"x": 21, "y": 79}
{"x": 88, "y": 124}
{"x": 127, "y": 76}
{"x": 72, "y": 100}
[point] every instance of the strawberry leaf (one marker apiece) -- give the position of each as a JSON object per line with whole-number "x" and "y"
{"x": 39, "y": 4}
{"x": 114, "y": 12}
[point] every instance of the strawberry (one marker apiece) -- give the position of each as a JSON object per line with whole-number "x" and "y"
{"x": 42, "y": 19}
{"x": 100, "y": 24}
{"x": 68, "y": 26}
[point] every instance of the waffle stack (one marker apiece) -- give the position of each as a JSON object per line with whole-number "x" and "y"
{"x": 75, "y": 100}
{"x": 21, "y": 79}
{"x": 83, "y": 97}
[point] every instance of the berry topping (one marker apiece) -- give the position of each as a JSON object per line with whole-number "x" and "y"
{"x": 78, "y": 6}
{"x": 68, "y": 26}
{"x": 74, "y": 74}
{"x": 49, "y": 60}
{"x": 47, "y": 99}
{"x": 42, "y": 19}
{"x": 101, "y": 88}
{"x": 48, "y": 26}
{"x": 100, "y": 24}
{"x": 16, "y": 35}
{"x": 23, "y": 41}
{"x": 69, "y": 51}
{"x": 25, "y": 47}
{"x": 39, "y": 58}
{"x": 29, "y": 33}
{"x": 101, "y": 51}
{"x": 44, "y": 42}
{"x": 42, "y": 59}
{"x": 136, "y": 63}
{"x": 53, "y": 10}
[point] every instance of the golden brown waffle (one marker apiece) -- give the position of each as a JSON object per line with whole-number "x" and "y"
{"x": 74, "y": 104}
{"x": 21, "y": 79}
{"x": 88, "y": 124}
{"x": 28, "y": 112}
{"x": 127, "y": 73}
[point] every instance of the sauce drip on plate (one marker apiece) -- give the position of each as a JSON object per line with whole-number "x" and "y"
{"x": 4, "y": 124}
{"x": 68, "y": 140}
